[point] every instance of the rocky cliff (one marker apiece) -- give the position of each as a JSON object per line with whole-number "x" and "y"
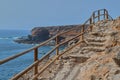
{"x": 53, "y": 30}
{"x": 97, "y": 58}
{"x": 40, "y": 34}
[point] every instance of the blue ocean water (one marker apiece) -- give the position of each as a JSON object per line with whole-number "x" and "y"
{"x": 8, "y": 48}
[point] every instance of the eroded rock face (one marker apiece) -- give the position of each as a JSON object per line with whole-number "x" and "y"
{"x": 97, "y": 59}
{"x": 117, "y": 56}
{"x": 39, "y": 35}
{"x": 103, "y": 65}
{"x": 40, "y": 32}
{"x": 53, "y": 30}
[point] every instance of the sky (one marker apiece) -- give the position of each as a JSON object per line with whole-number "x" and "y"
{"x": 27, "y": 14}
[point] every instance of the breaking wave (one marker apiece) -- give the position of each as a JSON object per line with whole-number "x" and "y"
{"x": 5, "y": 38}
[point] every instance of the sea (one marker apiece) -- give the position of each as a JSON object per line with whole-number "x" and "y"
{"x": 8, "y": 48}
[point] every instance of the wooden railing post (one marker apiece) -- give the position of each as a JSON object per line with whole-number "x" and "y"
{"x": 57, "y": 42}
{"x": 82, "y": 37}
{"x": 98, "y": 15}
{"x": 93, "y": 18}
{"x": 35, "y": 59}
{"x": 104, "y": 14}
{"x": 91, "y": 28}
{"x": 90, "y": 20}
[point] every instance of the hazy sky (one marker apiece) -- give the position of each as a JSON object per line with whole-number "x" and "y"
{"x": 26, "y": 14}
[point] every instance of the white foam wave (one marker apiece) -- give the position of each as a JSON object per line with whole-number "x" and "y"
{"x": 15, "y": 37}
{"x": 4, "y": 38}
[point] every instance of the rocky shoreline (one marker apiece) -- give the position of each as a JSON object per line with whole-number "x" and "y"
{"x": 40, "y": 34}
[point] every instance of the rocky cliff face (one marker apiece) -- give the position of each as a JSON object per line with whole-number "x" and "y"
{"x": 53, "y": 30}
{"x": 40, "y": 34}
{"x": 97, "y": 58}
{"x": 37, "y": 36}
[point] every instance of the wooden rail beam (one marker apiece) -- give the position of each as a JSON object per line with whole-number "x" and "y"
{"x": 24, "y": 52}
{"x": 32, "y": 65}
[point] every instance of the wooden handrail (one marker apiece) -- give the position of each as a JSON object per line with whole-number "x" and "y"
{"x": 42, "y": 70}
{"x": 105, "y": 14}
{"x": 30, "y": 67}
{"x": 56, "y": 57}
{"x": 22, "y": 53}
{"x": 26, "y": 51}
{"x": 91, "y": 20}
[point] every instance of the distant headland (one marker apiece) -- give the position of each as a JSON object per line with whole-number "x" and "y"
{"x": 40, "y": 34}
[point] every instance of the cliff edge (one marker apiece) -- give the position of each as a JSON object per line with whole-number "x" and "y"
{"x": 97, "y": 58}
